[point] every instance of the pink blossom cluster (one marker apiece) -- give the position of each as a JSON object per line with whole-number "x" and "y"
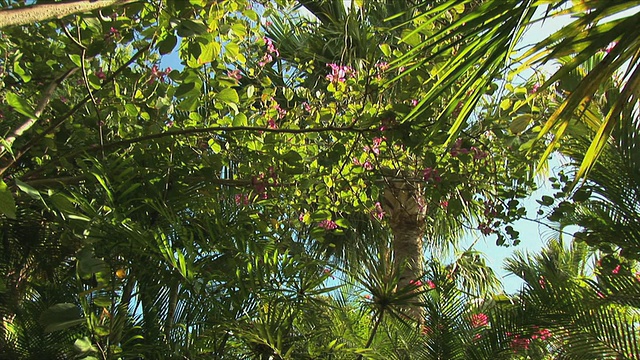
{"x": 457, "y": 150}
{"x": 340, "y": 73}
{"x": 113, "y": 33}
{"x": 535, "y": 88}
{"x": 542, "y": 334}
{"x": 242, "y": 199}
{"x": 382, "y": 66}
{"x": 367, "y": 165}
{"x": 156, "y": 73}
{"x": 271, "y": 51}
{"x": 328, "y": 225}
{"x": 261, "y": 182}
{"x": 431, "y": 174}
{"x": 485, "y": 229}
{"x": 234, "y": 74}
{"x": 479, "y": 320}
{"x": 377, "y": 211}
{"x": 417, "y": 283}
{"x": 520, "y": 343}
{"x": 101, "y": 75}
{"x": 375, "y": 148}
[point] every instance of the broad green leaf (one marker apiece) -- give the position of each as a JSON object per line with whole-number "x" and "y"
{"x": 240, "y": 120}
{"x": 505, "y": 104}
{"x": 20, "y": 105}
{"x": 61, "y": 316}
{"x": 520, "y": 123}
{"x": 209, "y": 52}
{"x": 26, "y": 77}
{"x": 228, "y": 95}
{"x": 167, "y": 44}
{"x": 33, "y": 193}
{"x": 386, "y": 49}
{"x": 7, "y": 203}
{"x": 84, "y": 345}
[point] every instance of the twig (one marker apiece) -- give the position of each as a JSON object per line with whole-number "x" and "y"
{"x": 44, "y": 101}
{"x": 57, "y": 122}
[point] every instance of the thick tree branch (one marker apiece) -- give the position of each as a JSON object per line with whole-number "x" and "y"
{"x": 44, "y": 101}
{"x": 42, "y": 12}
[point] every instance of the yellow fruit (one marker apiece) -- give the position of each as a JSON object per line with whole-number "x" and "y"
{"x": 121, "y": 273}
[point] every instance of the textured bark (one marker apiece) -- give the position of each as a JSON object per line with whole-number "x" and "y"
{"x": 407, "y": 221}
{"x": 42, "y": 12}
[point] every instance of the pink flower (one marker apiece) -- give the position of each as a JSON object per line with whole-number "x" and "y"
{"x": 382, "y": 66}
{"x": 485, "y": 229}
{"x": 377, "y": 211}
{"x": 616, "y": 270}
{"x": 156, "y": 73}
{"x": 431, "y": 174}
{"x": 479, "y": 320}
{"x": 306, "y": 106}
{"x": 101, "y": 75}
{"x": 234, "y": 74}
{"x": 271, "y": 124}
{"x": 535, "y": 88}
{"x": 301, "y": 217}
{"x": 367, "y": 165}
{"x": 281, "y": 112}
{"x": 271, "y": 49}
{"x": 242, "y": 199}
{"x": 328, "y": 225}
{"x": 519, "y": 343}
{"x": 444, "y": 204}
{"x": 431, "y": 284}
{"x": 542, "y": 282}
{"x": 339, "y": 73}
{"x": 414, "y": 102}
{"x": 416, "y": 283}
{"x": 610, "y": 47}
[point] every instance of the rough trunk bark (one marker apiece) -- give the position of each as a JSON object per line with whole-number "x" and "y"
{"x": 406, "y": 211}
{"x": 42, "y": 12}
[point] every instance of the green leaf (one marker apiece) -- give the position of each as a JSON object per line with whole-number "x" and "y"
{"x": 131, "y": 110}
{"x": 386, "y": 49}
{"x": 167, "y": 45}
{"x": 240, "y": 120}
{"x": 228, "y": 95}
{"x": 61, "y": 316}
{"x": 20, "y": 105}
{"x": 26, "y": 77}
{"x": 35, "y": 194}
{"x": 209, "y": 52}
{"x": 84, "y": 345}
{"x": 7, "y": 203}
{"x": 505, "y": 104}
{"x": 520, "y": 123}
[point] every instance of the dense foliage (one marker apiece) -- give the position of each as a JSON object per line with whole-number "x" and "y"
{"x": 297, "y": 185}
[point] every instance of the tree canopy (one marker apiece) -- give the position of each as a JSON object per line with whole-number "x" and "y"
{"x": 298, "y": 185}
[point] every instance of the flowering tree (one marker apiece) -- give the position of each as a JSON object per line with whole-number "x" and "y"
{"x": 268, "y": 162}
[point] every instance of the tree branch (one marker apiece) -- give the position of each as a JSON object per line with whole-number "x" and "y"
{"x": 42, "y": 12}
{"x": 57, "y": 122}
{"x": 44, "y": 101}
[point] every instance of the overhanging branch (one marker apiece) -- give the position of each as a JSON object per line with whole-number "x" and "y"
{"x": 42, "y": 12}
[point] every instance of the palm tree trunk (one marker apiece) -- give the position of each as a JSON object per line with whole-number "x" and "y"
{"x": 404, "y": 205}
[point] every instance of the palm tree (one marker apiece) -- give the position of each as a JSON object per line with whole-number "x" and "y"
{"x": 497, "y": 26}
{"x": 342, "y": 37}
